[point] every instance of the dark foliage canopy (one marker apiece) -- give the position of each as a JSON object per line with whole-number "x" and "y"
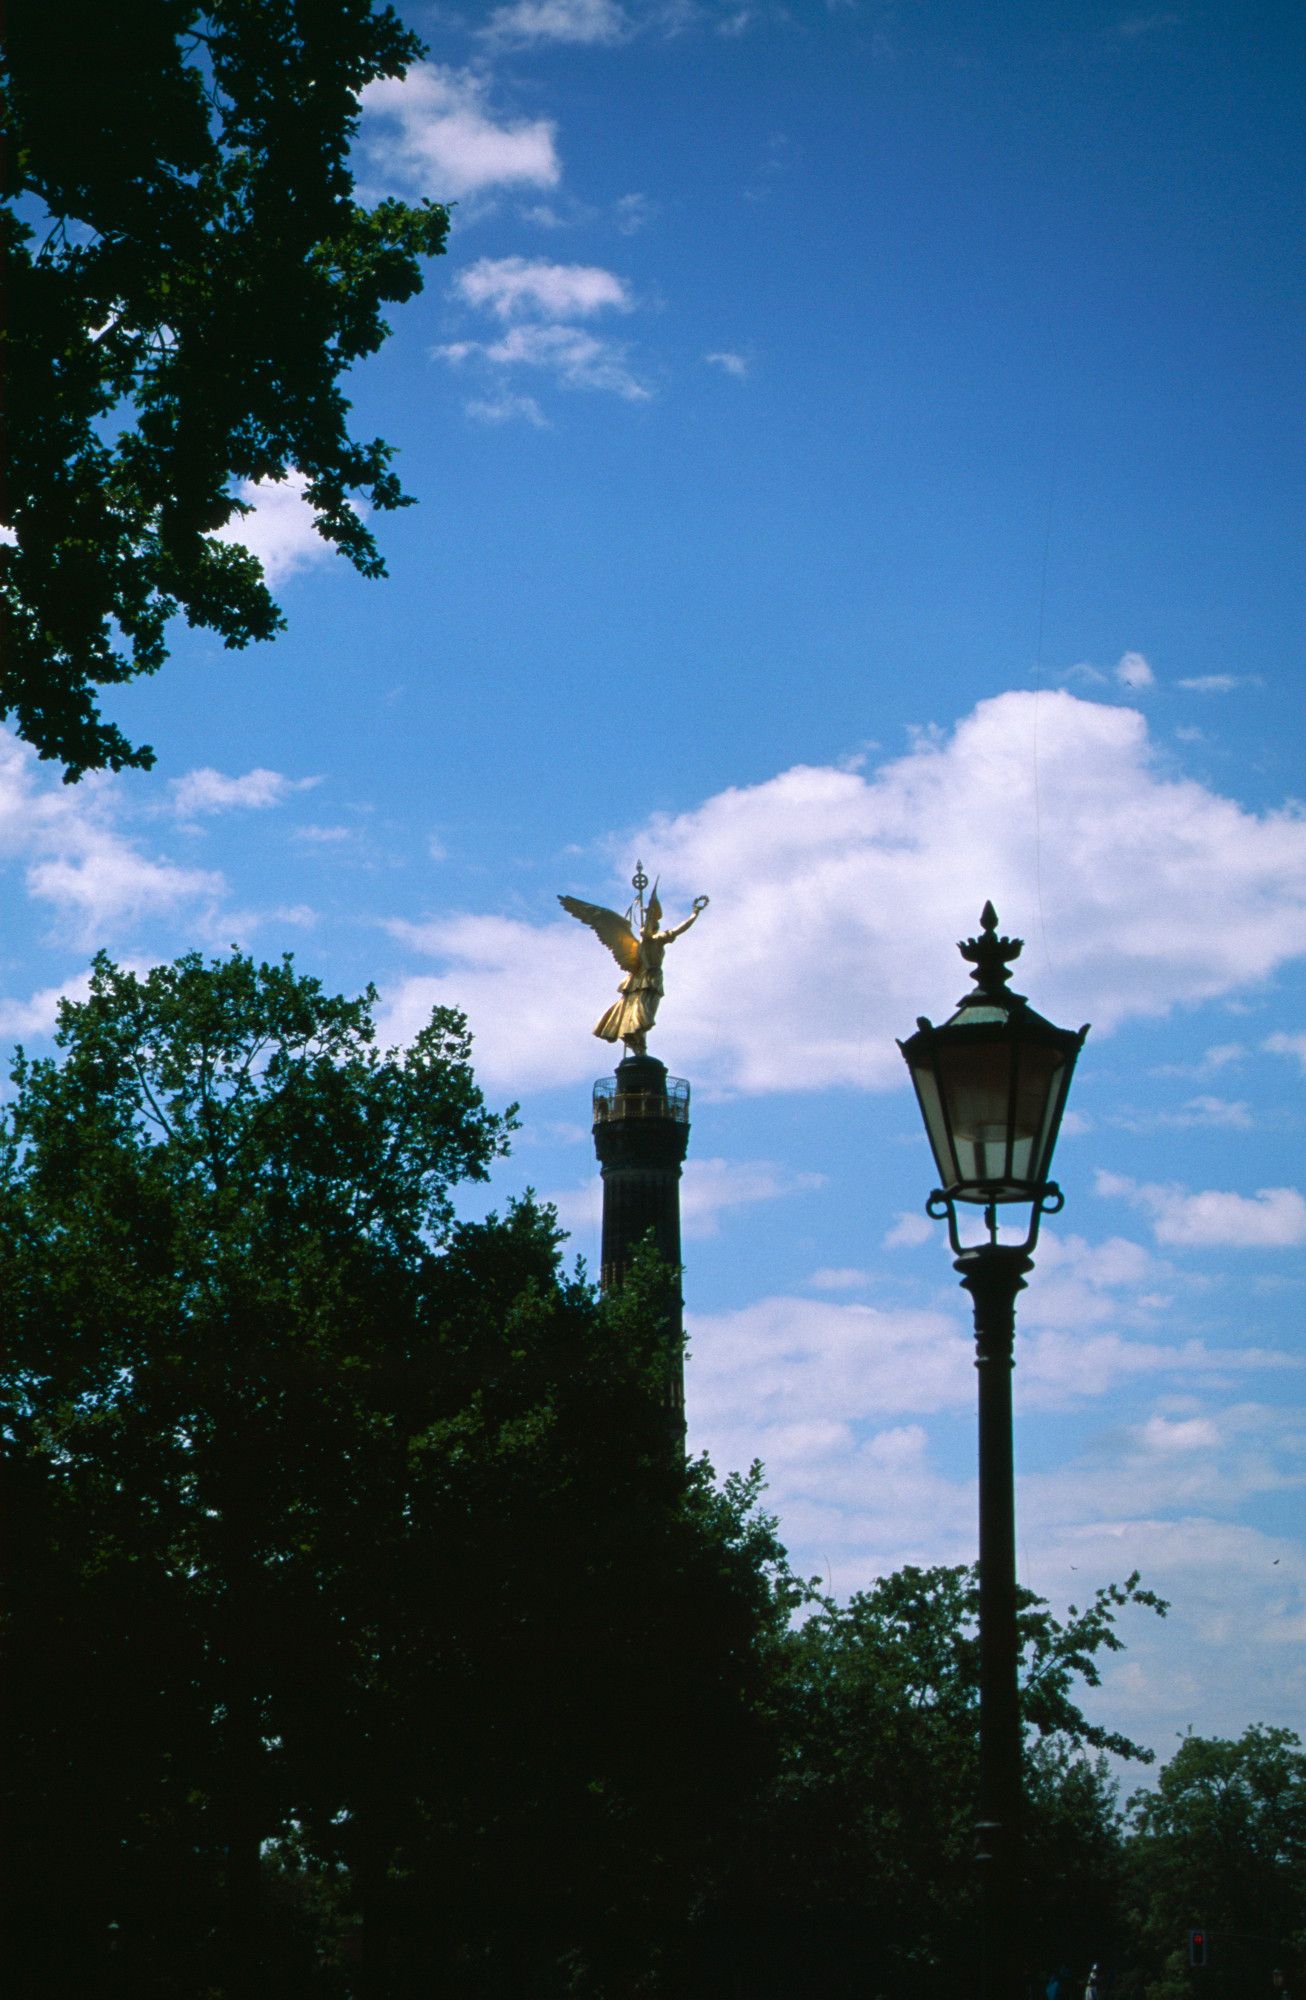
{"x": 185, "y": 277}
{"x": 858, "y": 1876}
{"x": 1220, "y": 1845}
{"x": 342, "y": 1530}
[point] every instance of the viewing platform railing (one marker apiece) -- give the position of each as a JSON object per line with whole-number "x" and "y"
{"x": 612, "y": 1102}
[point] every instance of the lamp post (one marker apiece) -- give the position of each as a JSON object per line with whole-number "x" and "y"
{"x": 992, "y": 1084}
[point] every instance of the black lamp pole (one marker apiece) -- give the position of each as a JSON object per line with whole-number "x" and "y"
{"x": 993, "y": 1276}
{"x": 992, "y": 1085}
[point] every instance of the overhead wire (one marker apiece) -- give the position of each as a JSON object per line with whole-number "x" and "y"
{"x": 1038, "y": 689}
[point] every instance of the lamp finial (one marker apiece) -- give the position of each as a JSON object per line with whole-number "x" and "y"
{"x": 990, "y": 955}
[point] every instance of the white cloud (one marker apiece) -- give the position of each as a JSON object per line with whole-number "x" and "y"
{"x": 432, "y": 133}
{"x": 1214, "y": 683}
{"x": 837, "y": 894}
{"x": 908, "y": 1231}
{"x": 792, "y": 1360}
{"x": 1231, "y": 1114}
{"x": 730, "y": 364}
{"x": 578, "y": 359}
{"x": 1135, "y": 25}
{"x": 512, "y": 285}
{"x": 839, "y": 1278}
{"x": 210, "y": 791}
{"x": 585, "y": 21}
{"x": 837, "y": 1399}
{"x": 853, "y": 1506}
{"x": 1271, "y": 1219}
{"x": 1184, "y": 1455}
{"x": 101, "y": 882}
{"x": 323, "y": 836}
{"x": 788, "y": 1359}
{"x": 1082, "y": 1285}
{"x": 1211, "y": 1062}
{"x": 1059, "y": 1370}
{"x": 516, "y": 1049}
{"x": 1170, "y": 1435}
{"x": 1132, "y": 671}
{"x": 302, "y": 915}
{"x": 795, "y": 1360}
{"x": 709, "y": 1189}
{"x": 588, "y": 23}
{"x": 39, "y": 1014}
{"x": 556, "y": 1132}
{"x": 78, "y": 856}
{"x": 280, "y": 529}
{"x": 76, "y": 860}
{"x": 1223, "y": 1580}
{"x": 1287, "y": 1045}
{"x": 506, "y": 409}
{"x": 548, "y": 297}
{"x": 514, "y": 288}
{"x": 1090, "y": 1320}
{"x": 634, "y": 212}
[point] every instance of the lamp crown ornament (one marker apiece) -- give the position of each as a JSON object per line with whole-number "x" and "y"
{"x": 990, "y": 955}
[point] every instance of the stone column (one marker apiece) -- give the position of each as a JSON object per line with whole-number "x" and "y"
{"x": 641, "y": 1133}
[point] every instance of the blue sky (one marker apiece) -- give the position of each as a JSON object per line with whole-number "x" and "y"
{"x": 859, "y": 463}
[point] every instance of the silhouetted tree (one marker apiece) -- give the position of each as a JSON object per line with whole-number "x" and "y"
{"x": 355, "y": 1604}
{"x": 1220, "y": 1845}
{"x": 860, "y": 1877}
{"x": 185, "y": 276}
{"x": 216, "y": 1207}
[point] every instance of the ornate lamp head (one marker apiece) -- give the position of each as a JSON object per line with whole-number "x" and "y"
{"x": 992, "y": 1084}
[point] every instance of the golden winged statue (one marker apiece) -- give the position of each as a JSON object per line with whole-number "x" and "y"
{"x": 639, "y": 954}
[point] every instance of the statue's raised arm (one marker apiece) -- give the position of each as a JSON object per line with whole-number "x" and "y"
{"x": 699, "y": 905}
{"x": 639, "y": 954}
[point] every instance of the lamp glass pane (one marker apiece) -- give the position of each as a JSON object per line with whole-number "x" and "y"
{"x": 1003, "y": 1097}
{"x": 976, "y": 1080}
{"x": 1057, "y": 1085}
{"x": 1036, "y": 1093}
{"x": 936, "y": 1125}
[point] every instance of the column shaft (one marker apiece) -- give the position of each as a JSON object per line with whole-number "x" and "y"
{"x": 641, "y": 1133}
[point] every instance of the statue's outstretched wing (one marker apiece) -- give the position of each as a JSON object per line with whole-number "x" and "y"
{"x": 607, "y": 925}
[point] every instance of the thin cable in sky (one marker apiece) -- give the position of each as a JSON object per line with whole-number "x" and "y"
{"x": 1038, "y": 689}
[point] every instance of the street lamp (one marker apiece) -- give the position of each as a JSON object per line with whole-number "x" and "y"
{"x": 992, "y": 1084}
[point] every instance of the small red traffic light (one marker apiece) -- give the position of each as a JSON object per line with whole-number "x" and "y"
{"x": 1197, "y": 1947}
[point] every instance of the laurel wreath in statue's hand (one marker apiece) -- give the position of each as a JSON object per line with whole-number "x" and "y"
{"x": 700, "y": 903}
